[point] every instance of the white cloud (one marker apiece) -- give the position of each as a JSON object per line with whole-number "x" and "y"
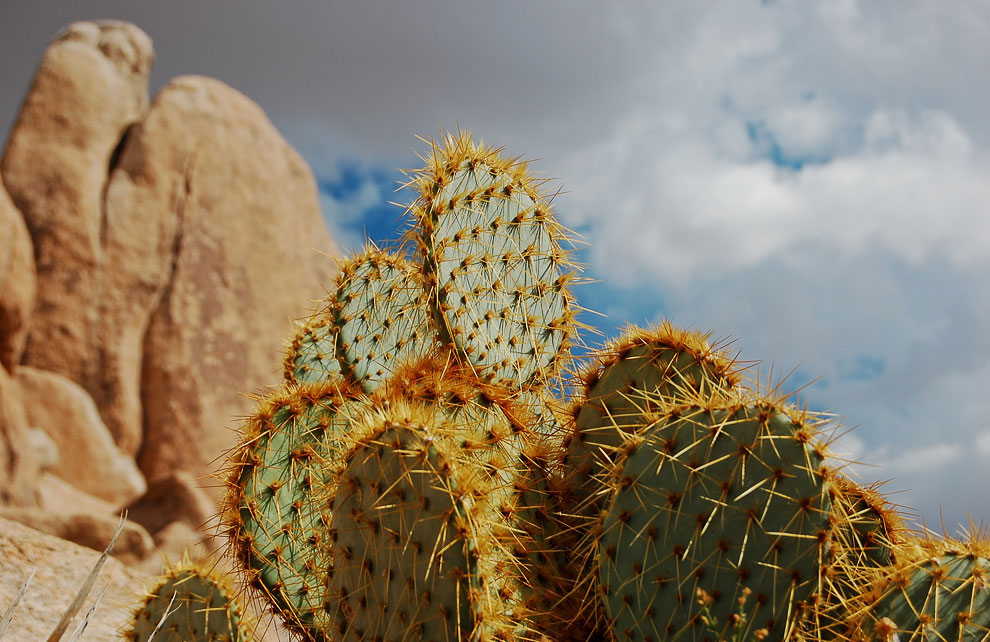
{"x": 983, "y": 443}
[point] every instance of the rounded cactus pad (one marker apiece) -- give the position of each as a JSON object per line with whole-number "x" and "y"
{"x": 191, "y": 604}
{"x": 641, "y": 371}
{"x": 494, "y": 261}
{"x": 414, "y": 536}
{"x": 937, "y": 590}
{"x": 381, "y": 315}
{"x": 276, "y": 528}
{"x": 716, "y": 499}
{"x": 312, "y": 354}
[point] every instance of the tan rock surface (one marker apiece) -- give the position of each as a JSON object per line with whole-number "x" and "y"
{"x": 18, "y": 282}
{"x": 59, "y": 496}
{"x": 61, "y": 569}
{"x": 177, "y": 497}
{"x": 89, "y": 459}
{"x": 20, "y": 467}
{"x": 92, "y": 84}
{"x": 91, "y": 531}
{"x": 246, "y": 261}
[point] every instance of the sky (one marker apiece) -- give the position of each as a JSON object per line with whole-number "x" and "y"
{"x": 809, "y": 180}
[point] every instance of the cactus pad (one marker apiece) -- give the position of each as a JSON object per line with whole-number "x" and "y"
{"x": 413, "y": 551}
{"x": 493, "y": 257}
{"x": 937, "y": 590}
{"x": 381, "y": 315}
{"x": 276, "y": 528}
{"x": 718, "y": 499}
{"x": 641, "y": 370}
{"x": 201, "y": 607}
{"x": 312, "y": 354}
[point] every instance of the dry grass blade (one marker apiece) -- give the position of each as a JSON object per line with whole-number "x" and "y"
{"x": 84, "y": 590}
{"x": 161, "y": 622}
{"x": 89, "y": 616}
{"x": 9, "y": 613}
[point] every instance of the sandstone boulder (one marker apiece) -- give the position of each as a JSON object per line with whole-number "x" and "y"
{"x": 91, "y": 85}
{"x": 62, "y": 568}
{"x": 20, "y": 467}
{"x": 92, "y": 531}
{"x": 245, "y": 261}
{"x": 17, "y": 282}
{"x": 177, "y": 497}
{"x": 59, "y": 496}
{"x": 89, "y": 460}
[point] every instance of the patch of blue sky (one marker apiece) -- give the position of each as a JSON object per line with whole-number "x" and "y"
{"x": 766, "y": 145}
{"x": 380, "y": 219}
{"x": 862, "y": 368}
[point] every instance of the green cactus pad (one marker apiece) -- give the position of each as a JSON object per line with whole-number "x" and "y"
{"x": 201, "y": 607}
{"x": 485, "y": 420}
{"x": 937, "y": 591}
{"x": 414, "y": 544}
{"x": 640, "y": 372}
{"x": 492, "y": 253}
{"x": 381, "y": 315}
{"x": 312, "y": 354}
{"x": 276, "y": 528}
{"x": 717, "y": 499}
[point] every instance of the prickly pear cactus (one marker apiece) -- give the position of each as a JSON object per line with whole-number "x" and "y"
{"x": 312, "y": 354}
{"x": 416, "y": 539}
{"x": 191, "y": 604}
{"x": 720, "y": 499}
{"x": 486, "y": 420}
{"x": 381, "y": 315}
{"x": 936, "y": 591}
{"x": 276, "y": 529}
{"x": 637, "y": 373}
{"x": 496, "y": 271}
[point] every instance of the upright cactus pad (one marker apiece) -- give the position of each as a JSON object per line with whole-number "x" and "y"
{"x": 493, "y": 258}
{"x": 719, "y": 499}
{"x": 414, "y": 538}
{"x": 276, "y": 528}
{"x": 312, "y": 354}
{"x": 381, "y": 315}
{"x": 191, "y": 604}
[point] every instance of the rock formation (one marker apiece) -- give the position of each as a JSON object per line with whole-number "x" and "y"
{"x": 242, "y": 257}
{"x": 63, "y": 410}
{"x": 152, "y": 253}
{"x": 92, "y": 84}
{"x": 18, "y": 282}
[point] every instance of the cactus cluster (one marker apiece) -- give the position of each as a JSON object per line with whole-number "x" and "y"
{"x": 437, "y": 465}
